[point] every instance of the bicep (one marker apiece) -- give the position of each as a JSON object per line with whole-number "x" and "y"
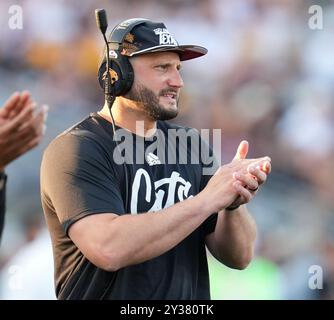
{"x": 91, "y": 235}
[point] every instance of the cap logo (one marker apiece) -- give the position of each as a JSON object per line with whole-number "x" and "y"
{"x": 129, "y": 37}
{"x": 165, "y": 37}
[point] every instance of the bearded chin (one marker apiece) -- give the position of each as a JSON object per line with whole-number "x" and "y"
{"x": 149, "y": 103}
{"x": 158, "y": 112}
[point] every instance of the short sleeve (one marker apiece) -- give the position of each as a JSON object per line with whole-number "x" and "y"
{"x": 78, "y": 179}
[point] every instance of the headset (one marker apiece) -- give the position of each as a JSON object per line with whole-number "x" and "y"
{"x": 115, "y": 73}
{"x": 120, "y": 69}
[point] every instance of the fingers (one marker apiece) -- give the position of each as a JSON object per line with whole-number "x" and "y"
{"x": 246, "y": 180}
{"x": 245, "y": 194}
{"x": 21, "y": 147}
{"x": 14, "y": 124}
{"x": 32, "y": 128}
{"x": 10, "y": 104}
{"x": 25, "y": 139}
{"x": 244, "y": 165}
{"x": 257, "y": 173}
{"x": 242, "y": 150}
{"x": 266, "y": 167}
{"x": 260, "y": 161}
{"x": 22, "y": 126}
{"x": 247, "y": 184}
{"x": 36, "y": 120}
{"x": 16, "y": 103}
{"x": 24, "y": 101}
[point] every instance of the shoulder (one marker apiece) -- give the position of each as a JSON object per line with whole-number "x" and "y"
{"x": 91, "y": 131}
{"x": 87, "y": 139}
{"x": 92, "y": 127}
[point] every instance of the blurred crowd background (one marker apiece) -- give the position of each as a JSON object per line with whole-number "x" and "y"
{"x": 268, "y": 78}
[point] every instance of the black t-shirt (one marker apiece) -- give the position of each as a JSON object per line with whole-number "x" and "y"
{"x": 80, "y": 176}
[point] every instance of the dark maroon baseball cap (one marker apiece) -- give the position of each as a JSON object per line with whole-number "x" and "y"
{"x": 152, "y": 36}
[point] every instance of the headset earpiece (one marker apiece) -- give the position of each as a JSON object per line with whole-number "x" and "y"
{"x": 121, "y": 74}
{"x": 120, "y": 67}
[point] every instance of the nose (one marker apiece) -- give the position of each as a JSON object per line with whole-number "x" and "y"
{"x": 175, "y": 79}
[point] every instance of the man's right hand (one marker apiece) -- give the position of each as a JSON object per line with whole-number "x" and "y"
{"x": 221, "y": 190}
{"x": 22, "y": 125}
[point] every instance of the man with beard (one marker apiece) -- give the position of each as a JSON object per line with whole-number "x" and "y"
{"x": 139, "y": 229}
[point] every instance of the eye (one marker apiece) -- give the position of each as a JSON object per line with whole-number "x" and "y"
{"x": 162, "y": 67}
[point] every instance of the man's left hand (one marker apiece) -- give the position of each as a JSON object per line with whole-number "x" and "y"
{"x": 247, "y": 184}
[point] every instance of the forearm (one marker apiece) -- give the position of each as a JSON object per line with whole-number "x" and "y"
{"x": 233, "y": 240}
{"x": 137, "y": 238}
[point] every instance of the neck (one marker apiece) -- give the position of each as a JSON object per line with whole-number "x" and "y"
{"x": 129, "y": 116}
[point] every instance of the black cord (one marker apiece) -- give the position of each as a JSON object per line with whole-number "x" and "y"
{"x": 110, "y": 96}
{"x": 110, "y": 100}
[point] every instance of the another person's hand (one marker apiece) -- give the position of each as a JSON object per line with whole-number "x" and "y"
{"x": 22, "y": 125}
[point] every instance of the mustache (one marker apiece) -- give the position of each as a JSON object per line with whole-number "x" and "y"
{"x": 169, "y": 90}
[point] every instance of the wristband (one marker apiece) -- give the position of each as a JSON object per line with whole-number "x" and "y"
{"x": 231, "y": 208}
